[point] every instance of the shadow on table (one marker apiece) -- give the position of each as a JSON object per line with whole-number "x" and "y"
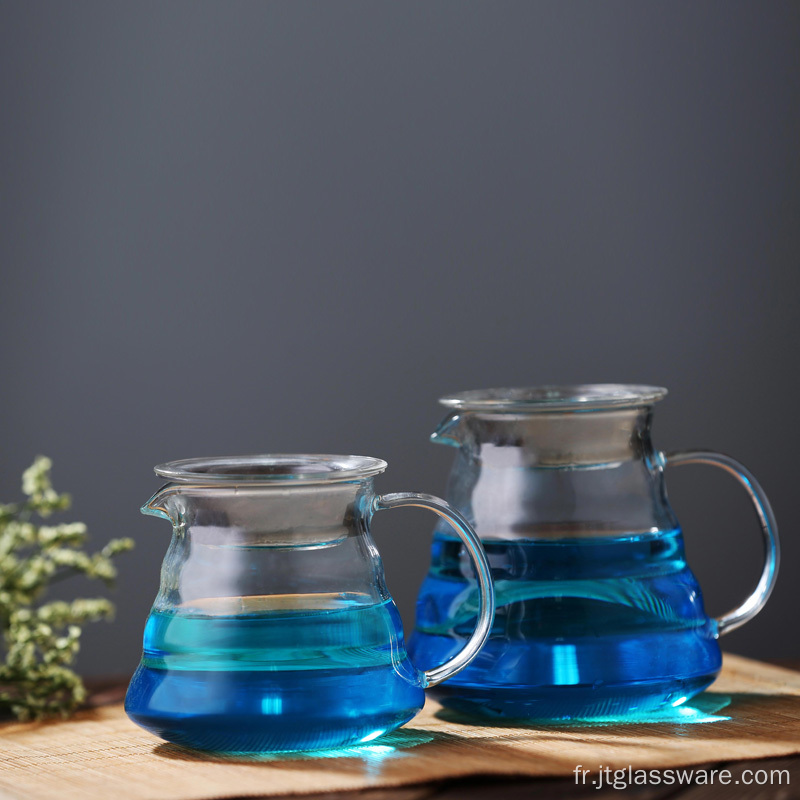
{"x": 390, "y": 745}
{"x": 487, "y": 744}
{"x": 732, "y": 716}
{"x": 703, "y": 708}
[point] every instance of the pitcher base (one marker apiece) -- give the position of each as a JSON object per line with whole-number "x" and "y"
{"x": 254, "y": 712}
{"x": 622, "y": 702}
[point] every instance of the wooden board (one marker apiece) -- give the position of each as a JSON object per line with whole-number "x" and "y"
{"x": 752, "y": 711}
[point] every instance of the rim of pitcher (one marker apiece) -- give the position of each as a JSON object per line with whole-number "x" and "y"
{"x": 295, "y": 468}
{"x": 566, "y": 397}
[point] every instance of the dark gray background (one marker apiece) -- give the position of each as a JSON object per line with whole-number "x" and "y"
{"x": 240, "y": 227}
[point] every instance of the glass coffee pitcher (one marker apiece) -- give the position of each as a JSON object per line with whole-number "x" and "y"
{"x": 273, "y": 629}
{"x": 598, "y": 614}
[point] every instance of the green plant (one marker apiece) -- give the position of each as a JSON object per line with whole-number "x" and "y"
{"x": 41, "y": 640}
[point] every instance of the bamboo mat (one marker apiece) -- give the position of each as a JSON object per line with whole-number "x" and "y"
{"x": 752, "y": 711}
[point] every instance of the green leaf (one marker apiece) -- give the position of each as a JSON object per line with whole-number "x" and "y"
{"x": 41, "y": 640}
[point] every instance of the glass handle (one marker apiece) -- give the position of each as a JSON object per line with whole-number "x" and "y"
{"x": 482, "y": 570}
{"x": 769, "y": 530}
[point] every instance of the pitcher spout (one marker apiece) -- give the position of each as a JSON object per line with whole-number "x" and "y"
{"x": 162, "y": 504}
{"x": 453, "y": 430}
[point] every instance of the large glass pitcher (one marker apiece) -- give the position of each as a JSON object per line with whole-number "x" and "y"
{"x": 598, "y": 614}
{"x": 273, "y": 629}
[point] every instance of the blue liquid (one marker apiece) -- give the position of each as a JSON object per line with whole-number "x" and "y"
{"x": 585, "y": 628}
{"x": 267, "y": 674}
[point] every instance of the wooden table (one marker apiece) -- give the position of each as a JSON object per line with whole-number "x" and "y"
{"x": 112, "y": 690}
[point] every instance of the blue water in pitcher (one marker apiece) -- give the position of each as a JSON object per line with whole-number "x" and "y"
{"x": 584, "y": 627}
{"x": 267, "y": 673}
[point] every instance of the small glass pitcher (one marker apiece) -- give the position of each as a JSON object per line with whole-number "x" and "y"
{"x": 598, "y": 614}
{"x": 273, "y": 629}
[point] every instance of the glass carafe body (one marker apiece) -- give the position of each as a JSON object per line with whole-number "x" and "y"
{"x": 598, "y": 613}
{"x": 273, "y": 629}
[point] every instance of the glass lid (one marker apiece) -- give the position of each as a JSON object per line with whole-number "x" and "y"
{"x": 536, "y": 399}
{"x": 292, "y": 467}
